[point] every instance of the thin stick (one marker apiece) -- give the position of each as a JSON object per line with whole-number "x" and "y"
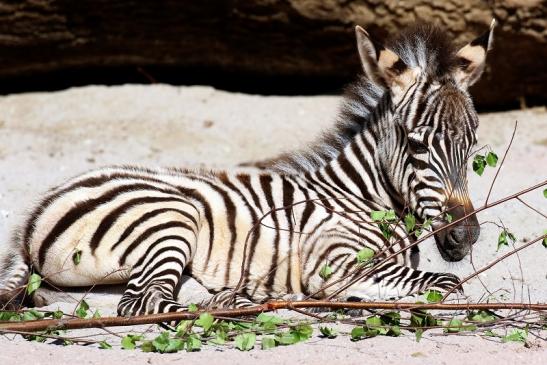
{"x": 70, "y": 324}
{"x": 502, "y": 161}
{"x": 531, "y": 207}
{"x": 477, "y": 272}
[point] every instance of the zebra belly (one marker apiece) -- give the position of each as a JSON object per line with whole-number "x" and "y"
{"x": 271, "y": 267}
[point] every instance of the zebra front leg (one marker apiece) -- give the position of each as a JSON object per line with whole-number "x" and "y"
{"x": 392, "y": 281}
{"x": 156, "y": 278}
{"x": 227, "y": 299}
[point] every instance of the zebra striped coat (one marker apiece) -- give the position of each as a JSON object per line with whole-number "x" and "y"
{"x": 405, "y": 132}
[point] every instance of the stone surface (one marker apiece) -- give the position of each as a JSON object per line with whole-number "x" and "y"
{"x": 295, "y": 39}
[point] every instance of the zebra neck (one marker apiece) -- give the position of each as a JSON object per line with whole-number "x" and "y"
{"x": 371, "y": 166}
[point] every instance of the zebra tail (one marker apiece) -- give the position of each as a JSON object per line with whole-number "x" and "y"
{"x": 14, "y": 273}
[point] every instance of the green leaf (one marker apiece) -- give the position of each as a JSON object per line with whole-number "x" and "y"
{"x": 10, "y": 316}
{"x": 105, "y": 345}
{"x": 297, "y": 333}
{"x": 374, "y": 326}
{"x": 96, "y": 314}
{"x": 448, "y": 217}
{"x": 129, "y": 342}
{"x": 245, "y": 341}
{"x": 481, "y": 316}
{"x": 390, "y": 216}
{"x": 545, "y": 193}
{"x": 479, "y": 162}
{"x": 82, "y": 309}
{"x": 326, "y": 272}
{"x": 34, "y": 282}
{"x": 516, "y": 336}
{"x": 161, "y": 342}
{"x": 357, "y": 333}
{"x": 147, "y": 346}
{"x": 391, "y": 318}
{"x": 220, "y": 337}
{"x": 77, "y": 257}
{"x": 419, "y": 333}
{"x": 504, "y": 237}
{"x": 302, "y": 331}
{"x": 192, "y": 343}
{"x": 378, "y": 215}
{"x": 455, "y": 325}
{"x": 268, "y": 343}
{"x": 328, "y": 332}
{"x": 421, "y": 320}
{"x": 36, "y": 338}
{"x": 57, "y": 314}
{"x": 491, "y": 159}
{"x": 394, "y": 331}
{"x": 286, "y": 338}
{"x": 410, "y": 222}
{"x": 192, "y": 308}
{"x": 386, "y": 230}
{"x": 174, "y": 345}
{"x": 364, "y": 255}
{"x": 433, "y": 296}
{"x": 165, "y": 344}
{"x": 268, "y": 318}
{"x": 267, "y": 322}
{"x": 183, "y": 327}
{"x": 544, "y": 242}
{"x": 32, "y": 315}
{"x": 205, "y": 321}
{"x": 427, "y": 223}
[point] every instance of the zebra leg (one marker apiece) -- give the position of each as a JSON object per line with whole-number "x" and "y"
{"x": 156, "y": 278}
{"x": 227, "y": 299}
{"x": 391, "y": 281}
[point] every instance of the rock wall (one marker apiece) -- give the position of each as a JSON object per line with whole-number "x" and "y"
{"x": 292, "y": 38}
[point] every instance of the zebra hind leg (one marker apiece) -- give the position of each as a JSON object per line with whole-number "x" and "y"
{"x": 155, "y": 279}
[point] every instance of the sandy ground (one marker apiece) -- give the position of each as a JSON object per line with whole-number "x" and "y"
{"x": 47, "y": 137}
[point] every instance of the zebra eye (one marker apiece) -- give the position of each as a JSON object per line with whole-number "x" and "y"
{"x": 417, "y": 146}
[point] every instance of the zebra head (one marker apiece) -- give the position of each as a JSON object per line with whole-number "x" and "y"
{"x": 427, "y": 81}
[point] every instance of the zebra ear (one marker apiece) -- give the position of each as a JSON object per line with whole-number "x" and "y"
{"x": 472, "y": 58}
{"x": 382, "y": 65}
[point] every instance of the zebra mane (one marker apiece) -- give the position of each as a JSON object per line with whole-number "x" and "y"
{"x": 428, "y": 47}
{"x": 360, "y": 100}
{"x": 424, "y": 46}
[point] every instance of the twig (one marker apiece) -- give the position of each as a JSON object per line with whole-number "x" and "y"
{"x": 502, "y": 161}
{"x": 69, "y": 324}
{"x": 477, "y": 272}
{"x": 531, "y": 207}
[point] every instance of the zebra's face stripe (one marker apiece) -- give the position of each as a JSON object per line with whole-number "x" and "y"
{"x": 439, "y": 136}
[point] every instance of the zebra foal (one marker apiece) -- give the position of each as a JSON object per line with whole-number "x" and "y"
{"x": 405, "y": 130}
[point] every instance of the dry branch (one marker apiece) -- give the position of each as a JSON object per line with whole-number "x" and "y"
{"x": 70, "y": 324}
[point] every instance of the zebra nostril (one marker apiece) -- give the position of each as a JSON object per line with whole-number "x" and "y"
{"x": 452, "y": 239}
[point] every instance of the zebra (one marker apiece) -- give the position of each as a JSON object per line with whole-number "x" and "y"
{"x": 406, "y": 128}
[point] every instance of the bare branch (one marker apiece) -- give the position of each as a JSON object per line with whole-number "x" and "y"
{"x": 69, "y": 324}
